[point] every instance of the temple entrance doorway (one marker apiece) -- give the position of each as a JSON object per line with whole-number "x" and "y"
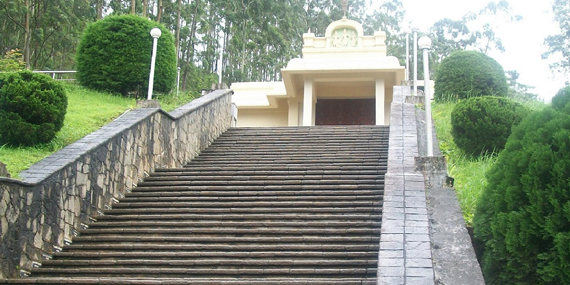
{"x": 345, "y": 112}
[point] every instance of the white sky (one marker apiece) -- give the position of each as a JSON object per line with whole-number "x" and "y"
{"x": 523, "y": 41}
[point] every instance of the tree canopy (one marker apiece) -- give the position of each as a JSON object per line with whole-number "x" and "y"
{"x": 249, "y": 40}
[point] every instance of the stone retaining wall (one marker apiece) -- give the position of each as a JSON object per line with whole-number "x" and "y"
{"x": 58, "y": 195}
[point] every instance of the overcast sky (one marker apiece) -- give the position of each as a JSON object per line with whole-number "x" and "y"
{"x": 523, "y": 41}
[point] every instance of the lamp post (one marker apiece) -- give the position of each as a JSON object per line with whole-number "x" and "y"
{"x": 407, "y": 31}
{"x": 155, "y": 33}
{"x": 414, "y": 26}
{"x": 425, "y": 44}
{"x": 177, "y": 81}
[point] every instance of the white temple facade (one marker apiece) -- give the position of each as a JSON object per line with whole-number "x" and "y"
{"x": 343, "y": 78}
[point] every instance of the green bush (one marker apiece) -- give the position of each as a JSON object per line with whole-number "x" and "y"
{"x": 32, "y": 108}
{"x": 523, "y": 217}
{"x": 562, "y": 98}
{"x": 481, "y": 125}
{"x": 465, "y": 74}
{"x": 114, "y": 55}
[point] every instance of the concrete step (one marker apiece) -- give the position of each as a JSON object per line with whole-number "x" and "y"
{"x": 202, "y": 254}
{"x": 198, "y": 272}
{"x": 279, "y": 170}
{"x": 265, "y": 183}
{"x": 269, "y": 231}
{"x": 255, "y": 194}
{"x": 266, "y": 178}
{"x": 246, "y": 204}
{"x": 222, "y": 247}
{"x": 259, "y": 206}
{"x": 250, "y": 198}
{"x": 214, "y": 262}
{"x": 231, "y": 217}
{"x": 225, "y": 210}
{"x": 225, "y": 223}
{"x": 194, "y": 281}
{"x": 251, "y": 188}
{"x": 227, "y": 238}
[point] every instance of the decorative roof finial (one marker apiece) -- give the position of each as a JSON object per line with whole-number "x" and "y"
{"x": 344, "y": 4}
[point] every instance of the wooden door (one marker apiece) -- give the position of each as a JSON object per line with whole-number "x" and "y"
{"x": 345, "y": 112}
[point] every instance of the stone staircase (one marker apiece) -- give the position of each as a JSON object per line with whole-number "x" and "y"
{"x": 259, "y": 206}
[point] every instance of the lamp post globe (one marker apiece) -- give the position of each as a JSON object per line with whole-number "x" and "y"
{"x": 415, "y": 26}
{"x": 155, "y": 34}
{"x": 424, "y": 42}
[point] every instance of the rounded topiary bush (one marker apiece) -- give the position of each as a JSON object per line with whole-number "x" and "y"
{"x": 114, "y": 55}
{"x": 523, "y": 216}
{"x": 465, "y": 74}
{"x": 482, "y": 125}
{"x": 32, "y": 108}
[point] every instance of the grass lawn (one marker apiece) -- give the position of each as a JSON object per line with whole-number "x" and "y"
{"x": 87, "y": 111}
{"x": 469, "y": 173}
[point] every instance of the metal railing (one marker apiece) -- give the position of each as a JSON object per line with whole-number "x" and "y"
{"x": 57, "y": 74}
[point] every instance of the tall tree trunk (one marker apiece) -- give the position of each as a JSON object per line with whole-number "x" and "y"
{"x": 159, "y": 12}
{"x": 145, "y": 8}
{"x": 177, "y": 43}
{"x": 133, "y": 7}
{"x": 28, "y": 34}
{"x": 99, "y": 9}
{"x": 190, "y": 51}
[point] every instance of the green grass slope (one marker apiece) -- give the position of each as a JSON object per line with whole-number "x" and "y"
{"x": 87, "y": 111}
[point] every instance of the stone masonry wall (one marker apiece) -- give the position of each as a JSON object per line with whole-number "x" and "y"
{"x": 58, "y": 195}
{"x": 405, "y": 246}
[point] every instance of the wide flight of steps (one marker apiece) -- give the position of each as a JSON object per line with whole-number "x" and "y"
{"x": 260, "y": 206}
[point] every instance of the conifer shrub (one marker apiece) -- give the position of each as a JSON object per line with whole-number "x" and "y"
{"x": 562, "y": 98}
{"x": 114, "y": 55}
{"x": 523, "y": 216}
{"x": 481, "y": 125}
{"x": 465, "y": 74}
{"x": 32, "y": 108}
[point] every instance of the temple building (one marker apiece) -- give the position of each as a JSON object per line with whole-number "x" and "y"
{"x": 343, "y": 78}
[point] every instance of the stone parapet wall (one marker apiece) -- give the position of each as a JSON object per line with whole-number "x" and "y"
{"x": 57, "y": 196}
{"x": 405, "y": 255}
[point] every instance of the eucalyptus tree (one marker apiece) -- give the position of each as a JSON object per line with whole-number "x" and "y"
{"x": 47, "y": 32}
{"x": 389, "y": 17}
{"x": 559, "y": 44}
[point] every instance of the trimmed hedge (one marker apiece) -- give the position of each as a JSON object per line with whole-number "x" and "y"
{"x": 465, "y": 74}
{"x": 523, "y": 216}
{"x": 481, "y": 125}
{"x": 32, "y": 108}
{"x": 114, "y": 55}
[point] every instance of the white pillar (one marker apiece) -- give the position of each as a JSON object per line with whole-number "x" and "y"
{"x": 380, "y": 98}
{"x": 308, "y": 101}
{"x": 293, "y": 116}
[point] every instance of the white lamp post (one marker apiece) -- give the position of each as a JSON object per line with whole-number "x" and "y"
{"x": 177, "y": 81}
{"x": 407, "y": 31}
{"x": 425, "y": 44}
{"x": 155, "y": 33}
{"x": 415, "y": 28}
